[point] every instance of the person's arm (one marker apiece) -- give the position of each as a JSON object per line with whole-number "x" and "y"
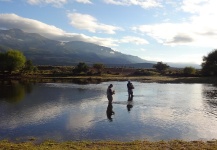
{"x": 132, "y": 86}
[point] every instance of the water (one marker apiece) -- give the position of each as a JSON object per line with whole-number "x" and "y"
{"x": 69, "y": 111}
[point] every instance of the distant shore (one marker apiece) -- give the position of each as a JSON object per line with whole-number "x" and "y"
{"x": 104, "y": 78}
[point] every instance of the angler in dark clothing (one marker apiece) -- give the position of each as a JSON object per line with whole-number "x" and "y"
{"x": 110, "y": 93}
{"x": 130, "y": 88}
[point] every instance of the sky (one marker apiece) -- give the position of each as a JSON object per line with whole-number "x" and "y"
{"x": 180, "y": 31}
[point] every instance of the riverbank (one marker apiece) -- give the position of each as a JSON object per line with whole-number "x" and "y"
{"x": 104, "y": 78}
{"x": 111, "y": 145}
{"x": 66, "y": 74}
{"x": 148, "y": 79}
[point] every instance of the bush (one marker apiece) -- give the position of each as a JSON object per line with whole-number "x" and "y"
{"x": 189, "y": 71}
{"x": 81, "y": 68}
{"x": 141, "y": 72}
{"x": 161, "y": 67}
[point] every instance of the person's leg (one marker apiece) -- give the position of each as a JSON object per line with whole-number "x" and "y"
{"x": 129, "y": 94}
{"x": 110, "y": 98}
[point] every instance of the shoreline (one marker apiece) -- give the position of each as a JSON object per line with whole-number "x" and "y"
{"x": 116, "y": 145}
{"x": 98, "y": 79}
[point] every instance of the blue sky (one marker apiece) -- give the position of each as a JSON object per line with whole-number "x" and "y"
{"x": 156, "y": 30}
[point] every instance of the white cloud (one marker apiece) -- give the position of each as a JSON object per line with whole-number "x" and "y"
{"x": 28, "y": 25}
{"x": 142, "y": 3}
{"x": 8, "y": 21}
{"x": 35, "y": 115}
{"x": 56, "y": 3}
{"x": 135, "y": 40}
{"x": 41, "y": 113}
{"x": 199, "y": 6}
{"x": 199, "y": 30}
{"x": 87, "y": 22}
{"x": 84, "y": 1}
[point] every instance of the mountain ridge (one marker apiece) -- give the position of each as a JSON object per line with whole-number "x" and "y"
{"x": 43, "y": 51}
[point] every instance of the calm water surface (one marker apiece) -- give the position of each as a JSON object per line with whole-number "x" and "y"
{"x": 68, "y": 111}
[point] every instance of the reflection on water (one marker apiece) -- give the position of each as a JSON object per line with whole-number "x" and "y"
{"x": 13, "y": 91}
{"x": 130, "y": 103}
{"x": 210, "y": 94}
{"x": 71, "y": 111}
{"x": 110, "y": 111}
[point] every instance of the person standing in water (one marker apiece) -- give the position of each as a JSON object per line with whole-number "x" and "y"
{"x": 130, "y": 88}
{"x": 110, "y": 92}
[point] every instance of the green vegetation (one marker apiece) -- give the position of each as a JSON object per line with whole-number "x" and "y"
{"x": 99, "y": 67}
{"x": 111, "y": 145}
{"x": 161, "y": 67}
{"x": 161, "y": 72}
{"x": 12, "y": 60}
{"x": 189, "y": 71}
{"x": 209, "y": 65}
{"x": 29, "y": 67}
{"x": 81, "y": 68}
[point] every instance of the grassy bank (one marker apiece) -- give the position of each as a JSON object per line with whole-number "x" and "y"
{"x": 112, "y": 145}
{"x": 104, "y": 78}
{"x": 67, "y": 74}
{"x": 147, "y": 79}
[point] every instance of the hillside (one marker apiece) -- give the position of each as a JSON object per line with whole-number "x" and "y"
{"x": 43, "y": 51}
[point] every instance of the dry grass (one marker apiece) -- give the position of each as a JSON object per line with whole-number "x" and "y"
{"x": 112, "y": 145}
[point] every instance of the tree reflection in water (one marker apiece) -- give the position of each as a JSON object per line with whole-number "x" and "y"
{"x": 14, "y": 91}
{"x": 211, "y": 100}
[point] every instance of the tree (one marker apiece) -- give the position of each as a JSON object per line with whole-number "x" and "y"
{"x": 209, "y": 65}
{"x": 160, "y": 66}
{"x": 81, "y": 67}
{"x": 12, "y": 60}
{"x": 99, "y": 67}
{"x": 29, "y": 67}
{"x": 189, "y": 71}
{"x": 15, "y": 60}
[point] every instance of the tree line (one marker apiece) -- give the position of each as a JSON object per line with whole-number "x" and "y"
{"x": 15, "y": 61}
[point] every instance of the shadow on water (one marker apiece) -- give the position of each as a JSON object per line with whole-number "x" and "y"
{"x": 110, "y": 112}
{"x": 64, "y": 80}
{"x": 77, "y": 81}
{"x": 130, "y": 104}
{"x": 211, "y": 100}
{"x": 14, "y": 91}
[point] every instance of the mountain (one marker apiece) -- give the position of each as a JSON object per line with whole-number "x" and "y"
{"x": 43, "y": 51}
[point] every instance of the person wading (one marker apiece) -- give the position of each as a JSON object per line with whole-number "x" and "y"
{"x": 110, "y": 92}
{"x": 130, "y": 88}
